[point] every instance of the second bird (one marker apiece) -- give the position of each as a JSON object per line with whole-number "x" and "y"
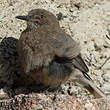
{"x": 48, "y": 55}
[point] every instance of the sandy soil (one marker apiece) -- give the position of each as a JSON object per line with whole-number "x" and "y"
{"x": 87, "y": 21}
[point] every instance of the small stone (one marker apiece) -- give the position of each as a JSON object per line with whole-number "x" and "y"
{"x": 59, "y": 16}
{"x": 3, "y": 94}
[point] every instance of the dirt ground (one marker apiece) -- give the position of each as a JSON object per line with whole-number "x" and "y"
{"x": 87, "y": 21}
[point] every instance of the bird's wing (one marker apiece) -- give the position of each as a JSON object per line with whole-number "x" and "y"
{"x": 60, "y": 68}
{"x": 66, "y": 47}
{"x": 79, "y": 63}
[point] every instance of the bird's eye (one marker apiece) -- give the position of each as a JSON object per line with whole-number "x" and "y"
{"x": 42, "y": 16}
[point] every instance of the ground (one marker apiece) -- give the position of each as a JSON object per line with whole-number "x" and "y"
{"x": 87, "y": 21}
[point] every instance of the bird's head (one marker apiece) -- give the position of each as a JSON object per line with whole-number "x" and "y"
{"x": 40, "y": 18}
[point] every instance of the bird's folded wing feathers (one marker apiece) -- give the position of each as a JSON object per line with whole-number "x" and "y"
{"x": 60, "y": 68}
{"x": 65, "y": 48}
{"x": 80, "y": 64}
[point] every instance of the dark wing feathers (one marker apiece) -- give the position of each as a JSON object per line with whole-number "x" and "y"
{"x": 80, "y": 64}
{"x": 67, "y": 50}
{"x": 60, "y": 67}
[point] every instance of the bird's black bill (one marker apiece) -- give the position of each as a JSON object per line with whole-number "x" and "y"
{"x": 26, "y": 18}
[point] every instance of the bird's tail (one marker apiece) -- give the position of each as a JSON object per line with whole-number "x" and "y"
{"x": 84, "y": 79}
{"x": 88, "y": 84}
{"x": 93, "y": 88}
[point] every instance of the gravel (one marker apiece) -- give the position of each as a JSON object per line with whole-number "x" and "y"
{"x": 86, "y": 21}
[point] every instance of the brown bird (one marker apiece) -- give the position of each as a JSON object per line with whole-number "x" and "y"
{"x": 48, "y": 55}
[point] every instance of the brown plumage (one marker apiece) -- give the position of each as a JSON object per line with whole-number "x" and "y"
{"x": 47, "y": 54}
